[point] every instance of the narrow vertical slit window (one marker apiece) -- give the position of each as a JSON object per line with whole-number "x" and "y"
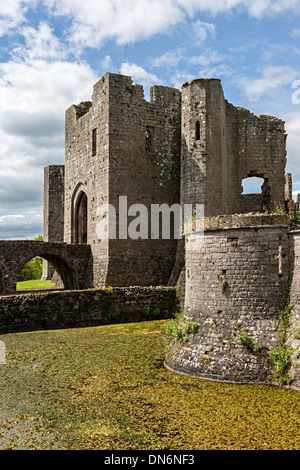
{"x": 148, "y": 138}
{"x": 197, "y": 130}
{"x": 94, "y": 142}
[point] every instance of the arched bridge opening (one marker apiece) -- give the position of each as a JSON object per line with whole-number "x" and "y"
{"x": 31, "y": 274}
{"x": 71, "y": 262}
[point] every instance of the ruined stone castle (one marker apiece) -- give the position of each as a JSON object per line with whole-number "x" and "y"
{"x": 181, "y": 147}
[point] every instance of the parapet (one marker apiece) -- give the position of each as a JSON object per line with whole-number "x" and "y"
{"x": 237, "y": 221}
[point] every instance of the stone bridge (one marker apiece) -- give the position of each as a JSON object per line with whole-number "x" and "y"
{"x": 71, "y": 261}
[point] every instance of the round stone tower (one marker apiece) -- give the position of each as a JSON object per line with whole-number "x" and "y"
{"x": 236, "y": 276}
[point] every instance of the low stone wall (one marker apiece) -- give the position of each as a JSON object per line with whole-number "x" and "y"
{"x": 69, "y": 309}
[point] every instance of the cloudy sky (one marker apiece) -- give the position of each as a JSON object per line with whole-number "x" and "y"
{"x": 53, "y": 51}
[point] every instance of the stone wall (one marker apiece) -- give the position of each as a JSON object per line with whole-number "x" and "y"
{"x": 202, "y": 154}
{"x": 189, "y": 148}
{"x": 255, "y": 146}
{"x": 108, "y": 155}
{"x": 251, "y": 203}
{"x": 86, "y": 171}
{"x": 235, "y": 286}
{"x": 54, "y": 182}
{"x": 294, "y": 336}
{"x": 232, "y": 144}
{"x": 73, "y": 309}
{"x": 144, "y": 166}
{"x": 72, "y": 262}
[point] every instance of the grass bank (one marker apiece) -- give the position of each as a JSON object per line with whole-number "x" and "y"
{"x": 37, "y": 284}
{"x": 107, "y": 388}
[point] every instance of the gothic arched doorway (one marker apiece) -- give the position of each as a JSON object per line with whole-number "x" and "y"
{"x": 81, "y": 219}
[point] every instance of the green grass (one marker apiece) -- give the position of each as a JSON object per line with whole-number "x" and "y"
{"x": 38, "y": 284}
{"x": 107, "y": 388}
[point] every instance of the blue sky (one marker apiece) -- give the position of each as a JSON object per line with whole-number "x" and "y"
{"x": 52, "y": 52}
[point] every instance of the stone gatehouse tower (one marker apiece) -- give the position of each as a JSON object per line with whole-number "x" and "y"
{"x": 179, "y": 148}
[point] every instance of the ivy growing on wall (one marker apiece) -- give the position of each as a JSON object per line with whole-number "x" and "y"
{"x": 279, "y": 357}
{"x": 282, "y": 354}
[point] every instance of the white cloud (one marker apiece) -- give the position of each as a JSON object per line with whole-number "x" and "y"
{"x": 41, "y": 43}
{"x": 127, "y": 21}
{"x": 107, "y": 63}
{"x": 12, "y": 14}
{"x": 255, "y": 8}
{"x": 181, "y": 77}
{"x": 123, "y": 21}
{"x": 272, "y": 78}
{"x": 295, "y": 194}
{"x": 202, "y": 30}
{"x": 170, "y": 58}
{"x": 34, "y": 95}
{"x": 207, "y": 58}
{"x": 139, "y": 75}
{"x": 212, "y": 63}
{"x": 21, "y": 226}
{"x": 216, "y": 71}
{"x": 36, "y": 85}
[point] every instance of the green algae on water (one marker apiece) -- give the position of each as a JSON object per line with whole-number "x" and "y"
{"x": 107, "y": 388}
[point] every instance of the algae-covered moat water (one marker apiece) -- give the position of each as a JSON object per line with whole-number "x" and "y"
{"x": 107, "y": 388}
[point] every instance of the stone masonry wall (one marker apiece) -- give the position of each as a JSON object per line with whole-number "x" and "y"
{"x": 201, "y": 156}
{"x": 70, "y": 261}
{"x": 294, "y": 336}
{"x": 235, "y": 285}
{"x": 144, "y": 166}
{"x": 108, "y": 155}
{"x": 86, "y": 171}
{"x": 74, "y": 309}
{"x": 255, "y": 146}
{"x": 251, "y": 203}
{"x": 231, "y": 144}
{"x": 54, "y": 182}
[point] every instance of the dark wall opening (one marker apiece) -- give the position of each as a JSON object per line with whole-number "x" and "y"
{"x": 81, "y": 222}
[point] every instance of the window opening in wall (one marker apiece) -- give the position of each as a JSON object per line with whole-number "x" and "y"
{"x": 148, "y": 140}
{"x": 256, "y": 194}
{"x": 197, "y": 131}
{"x": 94, "y": 142}
{"x": 252, "y": 185}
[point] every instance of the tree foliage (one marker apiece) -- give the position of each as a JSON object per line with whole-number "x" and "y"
{"x": 34, "y": 269}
